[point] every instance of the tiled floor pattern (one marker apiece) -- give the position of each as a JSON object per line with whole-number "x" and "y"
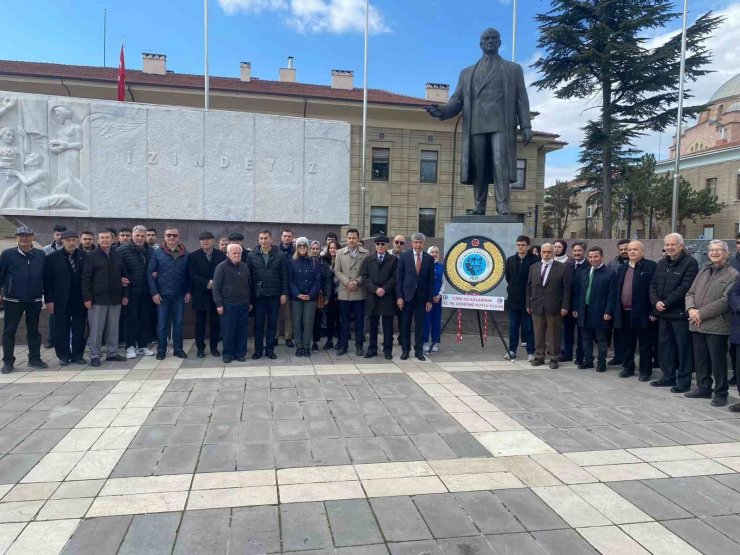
{"x": 367, "y": 458}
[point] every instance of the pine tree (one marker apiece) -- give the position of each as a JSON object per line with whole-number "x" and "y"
{"x": 597, "y": 49}
{"x": 560, "y": 206}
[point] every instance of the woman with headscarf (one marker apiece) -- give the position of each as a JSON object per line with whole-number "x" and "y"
{"x": 433, "y": 319}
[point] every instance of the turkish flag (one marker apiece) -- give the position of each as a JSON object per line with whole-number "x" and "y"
{"x": 121, "y": 78}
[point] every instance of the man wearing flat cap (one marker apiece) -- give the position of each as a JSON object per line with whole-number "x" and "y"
{"x": 63, "y": 295}
{"x": 203, "y": 263}
{"x": 379, "y": 277}
{"x": 22, "y": 281}
{"x": 236, "y": 238}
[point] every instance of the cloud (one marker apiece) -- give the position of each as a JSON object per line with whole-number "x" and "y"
{"x": 315, "y": 16}
{"x": 555, "y": 173}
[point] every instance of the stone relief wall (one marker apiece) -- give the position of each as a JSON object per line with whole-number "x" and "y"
{"x": 61, "y": 156}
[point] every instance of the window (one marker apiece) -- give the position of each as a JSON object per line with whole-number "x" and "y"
{"x": 378, "y": 220}
{"x": 708, "y": 231}
{"x": 381, "y": 164}
{"x": 589, "y": 211}
{"x": 428, "y": 221}
{"x": 428, "y": 166}
{"x": 521, "y": 174}
{"x": 711, "y": 184}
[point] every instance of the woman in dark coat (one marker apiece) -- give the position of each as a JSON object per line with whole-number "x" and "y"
{"x": 734, "y": 302}
{"x": 304, "y": 280}
{"x": 331, "y": 303}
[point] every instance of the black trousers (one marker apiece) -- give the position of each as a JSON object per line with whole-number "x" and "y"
{"x": 332, "y": 319}
{"x": 630, "y": 336}
{"x": 413, "y": 311}
{"x": 214, "y": 332}
{"x": 138, "y": 312}
{"x": 13, "y": 314}
{"x": 387, "y": 322}
{"x": 600, "y": 335}
{"x": 676, "y": 351}
{"x": 72, "y": 321}
{"x": 710, "y": 357}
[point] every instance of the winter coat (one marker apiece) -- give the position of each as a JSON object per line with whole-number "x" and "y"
{"x": 173, "y": 278}
{"x": 304, "y": 277}
{"x": 269, "y": 279}
{"x": 641, "y": 307}
{"x": 349, "y": 269}
{"x": 734, "y": 302}
{"x": 709, "y": 293}
{"x": 516, "y": 272}
{"x": 101, "y": 278}
{"x": 375, "y": 276}
{"x": 671, "y": 282}
{"x": 21, "y": 276}
{"x": 63, "y": 286}
{"x": 135, "y": 263}
{"x": 603, "y": 298}
{"x": 231, "y": 284}
{"x": 201, "y": 272}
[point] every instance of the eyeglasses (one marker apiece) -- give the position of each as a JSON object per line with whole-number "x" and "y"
{"x": 737, "y": 242}
{"x": 170, "y": 234}
{"x": 399, "y": 242}
{"x": 302, "y": 246}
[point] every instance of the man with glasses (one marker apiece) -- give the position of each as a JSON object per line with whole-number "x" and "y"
{"x": 170, "y": 290}
{"x": 399, "y": 243}
{"x": 379, "y": 275}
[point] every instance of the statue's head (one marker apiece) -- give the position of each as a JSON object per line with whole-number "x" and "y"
{"x": 490, "y": 41}
{"x": 61, "y": 114}
{"x": 7, "y": 134}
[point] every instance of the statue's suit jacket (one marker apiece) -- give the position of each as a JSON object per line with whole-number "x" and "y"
{"x": 516, "y": 111}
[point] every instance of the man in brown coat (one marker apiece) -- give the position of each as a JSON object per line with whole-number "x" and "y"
{"x": 548, "y": 300}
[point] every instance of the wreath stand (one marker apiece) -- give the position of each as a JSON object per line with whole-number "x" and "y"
{"x": 482, "y": 328}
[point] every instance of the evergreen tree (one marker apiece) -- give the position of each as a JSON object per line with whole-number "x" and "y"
{"x": 560, "y": 206}
{"x": 596, "y": 49}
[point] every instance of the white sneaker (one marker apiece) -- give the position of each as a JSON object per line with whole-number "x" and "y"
{"x": 510, "y": 356}
{"x": 145, "y": 352}
{"x": 524, "y": 343}
{"x": 426, "y": 347}
{"x": 435, "y": 348}
{"x": 131, "y": 352}
{"x": 530, "y": 358}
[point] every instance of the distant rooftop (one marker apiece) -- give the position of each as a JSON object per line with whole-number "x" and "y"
{"x": 728, "y": 89}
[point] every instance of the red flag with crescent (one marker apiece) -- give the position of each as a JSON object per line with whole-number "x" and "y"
{"x": 121, "y": 78}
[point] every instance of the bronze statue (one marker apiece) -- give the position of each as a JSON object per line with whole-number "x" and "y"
{"x": 493, "y": 100}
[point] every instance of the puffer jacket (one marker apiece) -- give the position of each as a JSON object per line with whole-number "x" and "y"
{"x": 101, "y": 278}
{"x": 709, "y": 293}
{"x": 135, "y": 263}
{"x": 671, "y": 281}
{"x": 173, "y": 278}
{"x": 304, "y": 277}
{"x": 269, "y": 279}
{"x": 21, "y": 275}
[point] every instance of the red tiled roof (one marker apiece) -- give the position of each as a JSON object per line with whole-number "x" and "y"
{"x": 182, "y": 80}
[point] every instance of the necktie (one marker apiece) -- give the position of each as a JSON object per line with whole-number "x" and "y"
{"x": 72, "y": 263}
{"x": 542, "y": 275}
{"x": 418, "y": 263}
{"x": 588, "y": 289}
{"x": 380, "y": 260}
{"x": 208, "y": 254}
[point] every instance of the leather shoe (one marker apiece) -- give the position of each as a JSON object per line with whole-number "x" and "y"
{"x": 554, "y": 365}
{"x": 328, "y": 345}
{"x": 160, "y": 356}
{"x": 299, "y": 352}
{"x": 227, "y": 360}
{"x": 732, "y": 380}
{"x": 615, "y": 362}
{"x": 585, "y": 365}
{"x": 360, "y": 351}
{"x": 679, "y": 389}
{"x": 661, "y": 383}
{"x": 719, "y": 401}
{"x": 63, "y": 362}
{"x": 271, "y": 355}
{"x": 41, "y": 364}
{"x": 79, "y": 360}
{"x": 241, "y": 359}
{"x": 201, "y": 354}
{"x": 388, "y": 356}
{"x": 626, "y": 373}
{"x": 256, "y": 355}
{"x": 404, "y": 355}
{"x": 601, "y": 367}
{"x": 370, "y": 353}
{"x": 181, "y": 354}
{"x": 215, "y": 353}
{"x": 8, "y": 368}
{"x": 735, "y": 407}
{"x": 115, "y": 358}
{"x": 289, "y": 343}
{"x": 698, "y": 394}
{"x": 419, "y": 355}
{"x": 644, "y": 377}
{"x": 537, "y": 362}
{"x": 342, "y": 351}
{"x": 95, "y": 362}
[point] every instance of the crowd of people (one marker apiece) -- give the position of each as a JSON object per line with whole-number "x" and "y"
{"x": 129, "y": 290}
{"x": 684, "y": 319}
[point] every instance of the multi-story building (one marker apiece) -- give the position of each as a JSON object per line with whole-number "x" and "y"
{"x": 413, "y": 161}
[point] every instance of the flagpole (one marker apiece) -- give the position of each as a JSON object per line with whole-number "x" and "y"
{"x": 105, "y": 26}
{"x": 205, "y": 50}
{"x": 513, "y": 34}
{"x": 363, "y": 189}
{"x": 682, "y": 66}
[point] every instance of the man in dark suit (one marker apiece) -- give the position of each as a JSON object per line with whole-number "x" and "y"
{"x": 548, "y": 300}
{"x": 64, "y": 299}
{"x": 594, "y": 303}
{"x": 203, "y": 263}
{"x": 414, "y": 292}
{"x": 634, "y": 312}
{"x": 493, "y": 99}
{"x": 516, "y": 273}
{"x": 577, "y": 264}
{"x": 379, "y": 277}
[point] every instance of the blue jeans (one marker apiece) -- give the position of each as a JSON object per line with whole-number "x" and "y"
{"x": 520, "y": 319}
{"x": 265, "y": 309}
{"x": 433, "y": 324}
{"x": 170, "y": 309}
{"x": 358, "y": 309}
{"x": 234, "y": 324}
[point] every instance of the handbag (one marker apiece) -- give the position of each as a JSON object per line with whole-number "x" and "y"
{"x": 320, "y": 302}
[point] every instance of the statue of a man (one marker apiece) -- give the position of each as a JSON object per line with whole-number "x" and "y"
{"x": 493, "y": 100}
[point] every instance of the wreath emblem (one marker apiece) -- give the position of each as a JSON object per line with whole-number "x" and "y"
{"x": 475, "y": 265}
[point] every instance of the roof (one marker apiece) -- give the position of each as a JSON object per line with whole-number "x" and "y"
{"x": 183, "y": 80}
{"x": 729, "y": 88}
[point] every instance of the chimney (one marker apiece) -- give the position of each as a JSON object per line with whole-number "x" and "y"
{"x": 287, "y": 74}
{"x": 342, "y": 79}
{"x": 246, "y": 71}
{"x": 156, "y": 64}
{"x": 438, "y": 92}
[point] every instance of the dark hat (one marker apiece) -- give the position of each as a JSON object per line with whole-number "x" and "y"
{"x": 24, "y": 230}
{"x": 236, "y": 236}
{"x": 206, "y": 235}
{"x": 69, "y": 233}
{"x": 382, "y": 239}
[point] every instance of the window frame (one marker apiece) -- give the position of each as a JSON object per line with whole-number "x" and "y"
{"x": 421, "y": 166}
{"x": 422, "y": 224}
{"x": 373, "y": 162}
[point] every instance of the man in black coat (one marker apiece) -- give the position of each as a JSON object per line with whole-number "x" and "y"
{"x": 672, "y": 280}
{"x": 594, "y": 303}
{"x": 63, "y": 296}
{"x": 379, "y": 277}
{"x": 634, "y": 312}
{"x": 414, "y": 292}
{"x": 135, "y": 255}
{"x": 203, "y": 263}
{"x": 577, "y": 264}
{"x": 516, "y": 272}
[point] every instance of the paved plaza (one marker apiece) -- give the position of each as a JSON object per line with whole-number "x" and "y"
{"x": 461, "y": 454}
